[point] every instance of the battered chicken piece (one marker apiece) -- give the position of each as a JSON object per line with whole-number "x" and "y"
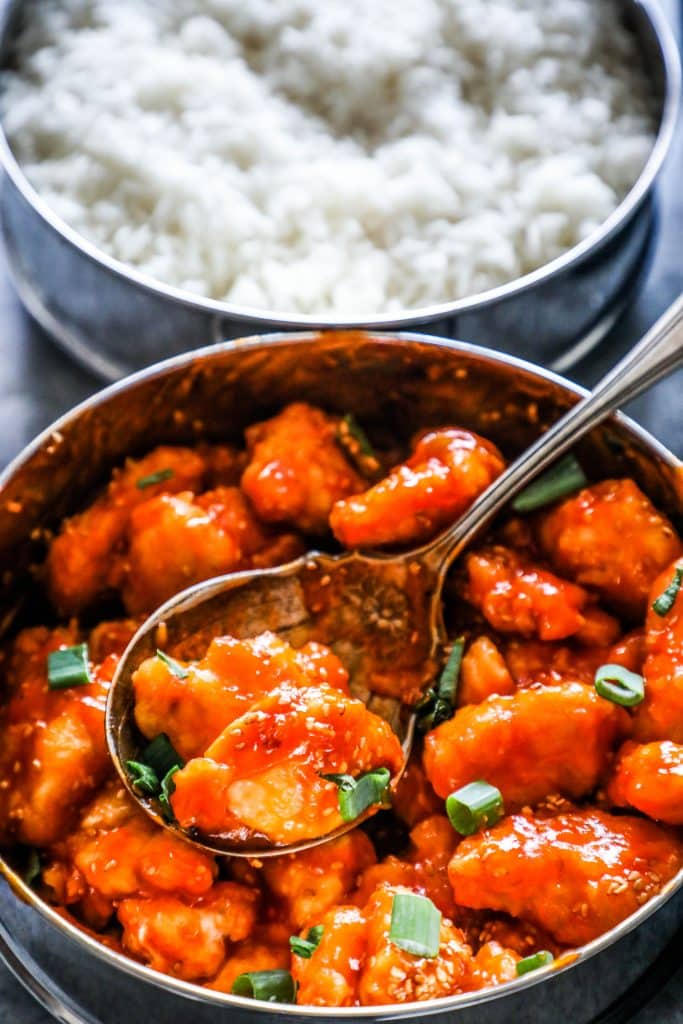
{"x": 297, "y": 470}
{"x": 519, "y": 937}
{"x": 178, "y": 539}
{"x": 264, "y": 771}
{"x": 188, "y": 940}
{"x": 422, "y": 868}
{"x": 660, "y": 716}
{"x": 194, "y": 710}
{"x": 483, "y": 672}
{"x": 117, "y": 852}
{"x": 53, "y": 754}
{"x": 310, "y": 882}
{"x": 266, "y": 950}
{"x": 391, "y": 975}
{"x": 80, "y": 561}
{"x": 575, "y": 875}
{"x": 494, "y": 965}
{"x": 330, "y": 977}
{"x": 447, "y": 470}
{"x": 649, "y": 777}
{"x": 537, "y": 661}
{"x": 516, "y": 596}
{"x": 543, "y": 740}
{"x": 611, "y": 538}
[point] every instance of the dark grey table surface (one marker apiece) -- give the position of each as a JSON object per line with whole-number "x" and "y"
{"x": 38, "y": 383}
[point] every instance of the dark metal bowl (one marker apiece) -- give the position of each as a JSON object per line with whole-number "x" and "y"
{"x": 400, "y": 383}
{"x": 116, "y": 319}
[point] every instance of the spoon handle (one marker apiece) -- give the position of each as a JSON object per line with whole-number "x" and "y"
{"x": 657, "y": 354}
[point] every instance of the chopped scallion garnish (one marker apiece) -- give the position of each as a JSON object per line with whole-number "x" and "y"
{"x": 270, "y": 986}
{"x": 621, "y": 686}
{"x": 178, "y": 670}
{"x": 667, "y": 599}
{"x": 477, "y": 805}
{"x": 143, "y": 777}
{"x": 354, "y": 441}
{"x": 438, "y": 703}
{"x": 415, "y": 924}
{"x": 161, "y": 756}
{"x": 356, "y": 795}
{"x": 167, "y": 789}
{"x": 533, "y": 962}
{"x": 307, "y": 947}
{"x": 68, "y": 667}
{"x": 564, "y": 478}
{"x": 154, "y": 478}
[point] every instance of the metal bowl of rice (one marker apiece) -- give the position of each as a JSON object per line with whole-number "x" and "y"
{"x": 179, "y": 173}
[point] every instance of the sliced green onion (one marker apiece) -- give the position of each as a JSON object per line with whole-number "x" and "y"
{"x": 143, "y": 777}
{"x": 438, "y": 703}
{"x": 533, "y": 962}
{"x": 477, "y": 805}
{"x": 33, "y": 867}
{"x": 161, "y": 756}
{"x": 355, "y": 443}
{"x": 667, "y": 598}
{"x": 154, "y": 478}
{"x": 167, "y": 789}
{"x": 270, "y": 986}
{"x": 178, "y": 670}
{"x": 68, "y": 667}
{"x": 564, "y": 478}
{"x": 618, "y": 684}
{"x": 307, "y": 947}
{"x": 415, "y": 924}
{"x": 356, "y": 795}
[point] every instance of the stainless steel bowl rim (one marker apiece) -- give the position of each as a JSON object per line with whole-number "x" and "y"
{"x": 594, "y": 242}
{"x": 395, "y": 1011}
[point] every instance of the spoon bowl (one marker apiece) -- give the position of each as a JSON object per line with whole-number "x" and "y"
{"x": 378, "y": 632}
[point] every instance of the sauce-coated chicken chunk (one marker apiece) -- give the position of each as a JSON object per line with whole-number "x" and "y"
{"x": 188, "y": 940}
{"x": 265, "y": 770}
{"x": 297, "y": 469}
{"x": 82, "y": 562}
{"x": 544, "y": 740}
{"x": 483, "y": 673}
{"x": 516, "y": 596}
{"x": 118, "y": 852}
{"x": 310, "y": 882}
{"x": 53, "y": 754}
{"x": 392, "y": 975}
{"x": 649, "y": 777}
{"x": 223, "y": 685}
{"x": 356, "y": 961}
{"x": 176, "y": 540}
{"x": 611, "y": 538}
{"x": 447, "y": 470}
{"x": 575, "y": 875}
{"x": 660, "y": 716}
{"x": 331, "y": 976}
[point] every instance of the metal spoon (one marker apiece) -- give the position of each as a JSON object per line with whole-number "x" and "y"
{"x": 380, "y": 613}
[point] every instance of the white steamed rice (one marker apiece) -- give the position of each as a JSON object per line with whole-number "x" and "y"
{"x": 319, "y": 156}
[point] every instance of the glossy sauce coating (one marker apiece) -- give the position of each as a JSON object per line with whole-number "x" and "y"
{"x": 541, "y": 603}
{"x": 575, "y": 875}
